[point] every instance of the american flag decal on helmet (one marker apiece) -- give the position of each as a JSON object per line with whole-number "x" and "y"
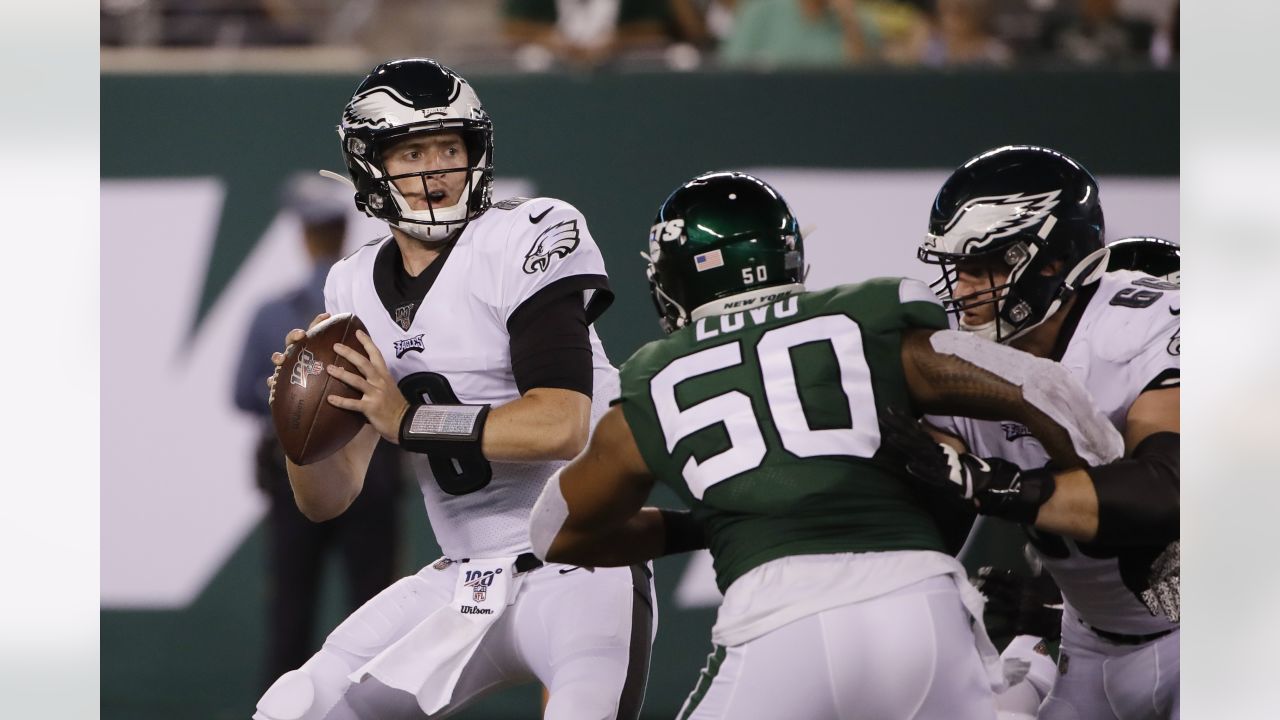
{"x": 708, "y": 260}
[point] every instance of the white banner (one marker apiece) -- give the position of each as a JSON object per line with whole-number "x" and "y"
{"x": 178, "y": 495}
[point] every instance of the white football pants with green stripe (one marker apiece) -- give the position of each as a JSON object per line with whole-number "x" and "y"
{"x": 906, "y": 655}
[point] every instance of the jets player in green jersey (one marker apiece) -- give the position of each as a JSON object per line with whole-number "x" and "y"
{"x": 761, "y": 411}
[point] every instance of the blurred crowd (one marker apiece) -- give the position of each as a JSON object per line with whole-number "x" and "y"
{"x": 535, "y": 35}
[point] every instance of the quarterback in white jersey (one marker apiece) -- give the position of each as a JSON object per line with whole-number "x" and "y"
{"x": 462, "y": 354}
{"x": 1018, "y": 231}
{"x": 482, "y": 363}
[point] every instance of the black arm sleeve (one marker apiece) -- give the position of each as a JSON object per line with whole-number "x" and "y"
{"x": 550, "y": 341}
{"x": 1138, "y": 496}
{"x": 681, "y": 532}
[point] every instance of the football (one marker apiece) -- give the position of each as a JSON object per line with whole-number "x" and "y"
{"x": 308, "y": 426}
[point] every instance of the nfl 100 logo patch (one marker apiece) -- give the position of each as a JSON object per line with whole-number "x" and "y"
{"x": 479, "y": 582}
{"x": 404, "y": 316}
{"x": 307, "y": 365}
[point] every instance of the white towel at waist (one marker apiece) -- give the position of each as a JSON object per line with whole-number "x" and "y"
{"x": 429, "y": 659}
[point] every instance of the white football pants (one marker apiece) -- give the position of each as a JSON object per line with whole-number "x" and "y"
{"x": 907, "y": 654}
{"x": 1101, "y": 680}
{"x": 585, "y": 635}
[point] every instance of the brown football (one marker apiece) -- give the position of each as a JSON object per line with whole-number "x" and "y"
{"x": 310, "y": 429}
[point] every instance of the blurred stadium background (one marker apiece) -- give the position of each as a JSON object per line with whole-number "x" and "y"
{"x": 207, "y": 106}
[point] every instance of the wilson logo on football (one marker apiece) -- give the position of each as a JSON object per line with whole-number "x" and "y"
{"x": 306, "y": 365}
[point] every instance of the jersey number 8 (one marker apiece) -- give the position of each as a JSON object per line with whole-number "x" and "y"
{"x": 454, "y": 475}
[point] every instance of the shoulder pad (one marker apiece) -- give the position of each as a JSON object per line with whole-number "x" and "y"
{"x": 376, "y": 242}
{"x": 544, "y": 230}
{"x": 886, "y": 303}
{"x": 645, "y": 361}
{"x": 1130, "y": 317}
{"x": 912, "y": 290}
{"x": 525, "y": 250}
{"x": 506, "y": 232}
{"x": 510, "y": 203}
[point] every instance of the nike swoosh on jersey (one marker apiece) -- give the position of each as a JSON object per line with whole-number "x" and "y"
{"x": 535, "y": 219}
{"x": 1175, "y": 311}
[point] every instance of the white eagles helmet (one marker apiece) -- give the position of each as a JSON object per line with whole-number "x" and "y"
{"x": 405, "y": 97}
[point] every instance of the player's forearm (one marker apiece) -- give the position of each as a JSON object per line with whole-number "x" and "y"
{"x": 1076, "y": 432}
{"x": 1133, "y": 501}
{"x": 640, "y": 538}
{"x": 541, "y": 425}
{"x": 324, "y": 490}
{"x": 1072, "y": 510}
{"x": 954, "y": 373}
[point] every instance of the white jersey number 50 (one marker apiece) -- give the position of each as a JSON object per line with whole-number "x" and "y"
{"x": 733, "y": 409}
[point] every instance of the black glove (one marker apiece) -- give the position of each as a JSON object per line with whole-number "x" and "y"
{"x": 994, "y": 486}
{"x": 1020, "y": 605}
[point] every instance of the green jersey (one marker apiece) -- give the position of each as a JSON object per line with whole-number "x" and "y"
{"x": 765, "y": 422}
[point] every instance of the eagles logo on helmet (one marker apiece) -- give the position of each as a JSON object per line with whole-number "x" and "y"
{"x": 402, "y": 98}
{"x": 722, "y": 240}
{"x": 1029, "y": 209}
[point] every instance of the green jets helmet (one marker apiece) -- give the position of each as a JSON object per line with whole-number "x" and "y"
{"x": 723, "y": 241}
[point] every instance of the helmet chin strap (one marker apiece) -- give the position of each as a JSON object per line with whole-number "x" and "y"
{"x": 1087, "y": 271}
{"x": 434, "y": 237}
{"x": 430, "y": 233}
{"x": 331, "y": 175}
{"x": 425, "y": 233}
{"x": 680, "y": 320}
{"x": 434, "y": 224}
{"x": 986, "y": 330}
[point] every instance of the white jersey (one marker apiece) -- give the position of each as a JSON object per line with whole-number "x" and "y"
{"x": 1127, "y": 341}
{"x": 457, "y": 345}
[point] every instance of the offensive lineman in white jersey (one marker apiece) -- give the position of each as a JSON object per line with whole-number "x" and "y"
{"x": 1019, "y": 233}
{"x": 483, "y": 364}
{"x": 1029, "y": 605}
